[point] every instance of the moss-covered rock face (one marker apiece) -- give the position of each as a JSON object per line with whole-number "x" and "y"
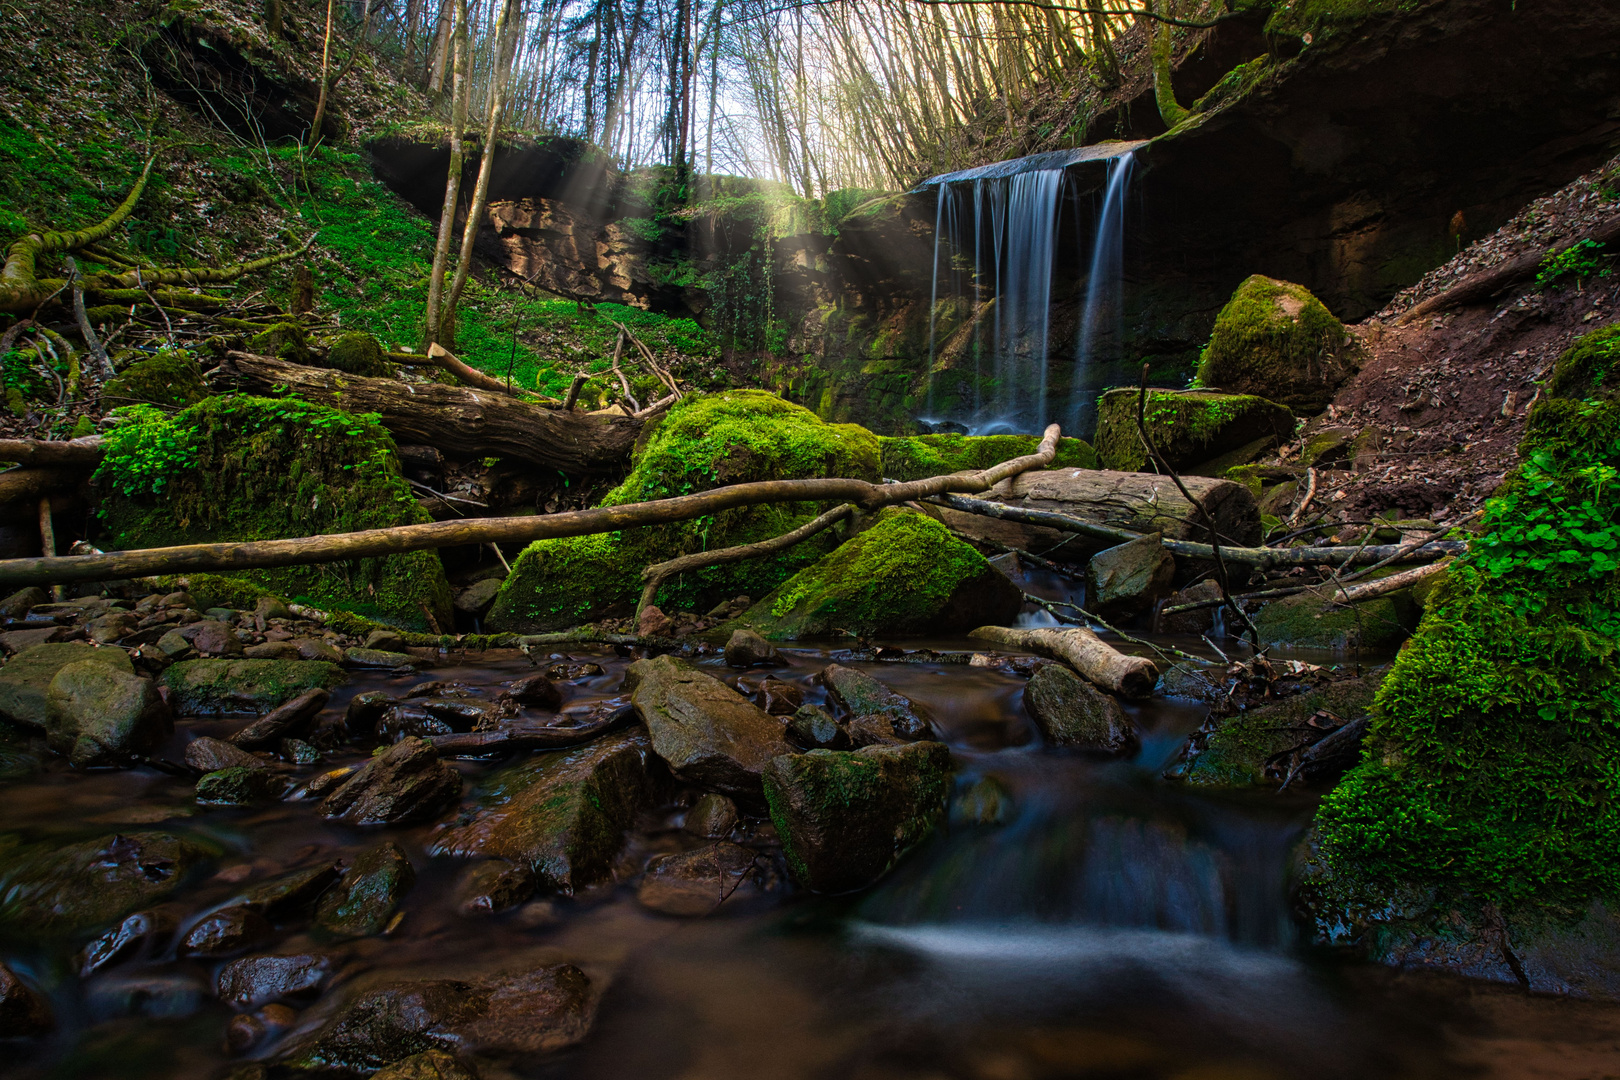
{"x": 1488, "y": 779}
{"x": 171, "y": 378}
{"x": 703, "y": 442}
{"x": 917, "y": 457}
{"x": 1188, "y": 427}
{"x": 1275, "y": 338}
{"x": 906, "y": 575}
{"x": 359, "y": 354}
{"x": 1236, "y": 752}
{"x": 239, "y": 468}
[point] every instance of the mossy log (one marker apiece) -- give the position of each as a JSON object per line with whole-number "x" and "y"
{"x": 83, "y": 453}
{"x": 1088, "y": 654}
{"x": 25, "y": 484}
{"x": 457, "y": 420}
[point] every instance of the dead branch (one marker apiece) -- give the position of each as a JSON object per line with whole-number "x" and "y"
{"x": 1354, "y": 594}
{"x": 447, "y": 360}
{"x": 1088, "y": 654}
{"x": 624, "y": 383}
{"x": 303, "y": 551}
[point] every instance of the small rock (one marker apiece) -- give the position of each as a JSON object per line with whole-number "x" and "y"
{"x": 536, "y": 690}
{"x": 1071, "y": 712}
{"x": 211, "y": 637}
{"x": 300, "y": 752}
{"x": 873, "y": 729}
{"x": 108, "y": 628}
{"x": 257, "y": 980}
{"x": 476, "y": 598}
{"x": 652, "y": 622}
{"x": 273, "y": 650}
{"x": 97, "y": 715}
{"x": 986, "y": 802}
{"x": 316, "y": 649}
{"x": 779, "y": 698}
{"x": 405, "y": 783}
{"x": 746, "y": 649}
{"x": 489, "y": 887}
{"x": 713, "y": 816}
{"x": 364, "y": 712}
{"x": 23, "y": 1011}
{"x": 26, "y": 679}
{"x": 141, "y": 932}
{"x": 291, "y": 718}
{"x": 858, "y": 694}
{"x": 15, "y": 641}
{"x": 377, "y": 658}
{"x": 240, "y": 786}
{"x": 181, "y": 599}
{"x": 846, "y": 817}
{"x": 173, "y": 645}
{"x": 696, "y": 882}
{"x": 220, "y": 614}
{"x": 385, "y": 641}
{"x": 1125, "y": 580}
{"x": 287, "y": 895}
{"x": 568, "y": 672}
{"x": 228, "y": 931}
{"x": 815, "y": 728}
{"x": 18, "y": 604}
{"x": 210, "y": 755}
{"x": 365, "y": 900}
{"x": 271, "y": 607}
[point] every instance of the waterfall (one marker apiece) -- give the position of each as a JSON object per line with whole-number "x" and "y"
{"x": 1010, "y": 238}
{"x": 1104, "y": 311}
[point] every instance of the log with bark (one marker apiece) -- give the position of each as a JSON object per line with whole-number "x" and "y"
{"x": 1089, "y": 655}
{"x": 83, "y": 453}
{"x": 27, "y": 485}
{"x": 459, "y": 421}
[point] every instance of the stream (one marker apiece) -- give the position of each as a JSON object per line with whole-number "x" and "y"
{"x": 1112, "y": 924}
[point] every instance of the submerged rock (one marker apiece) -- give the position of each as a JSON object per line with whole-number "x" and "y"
{"x": 225, "y": 687}
{"x": 815, "y": 729}
{"x": 25, "y": 681}
{"x": 405, "y": 783}
{"x": 859, "y": 694}
{"x": 366, "y": 899}
{"x": 906, "y": 575}
{"x": 845, "y": 818}
{"x": 696, "y": 882}
{"x": 139, "y": 933}
{"x": 1071, "y": 712}
{"x": 502, "y": 1016}
{"x": 489, "y": 887}
{"x": 1275, "y": 339}
{"x": 226, "y": 932}
{"x": 96, "y": 714}
{"x": 258, "y": 980}
{"x": 288, "y": 895}
{"x": 562, "y": 814}
{"x": 23, "y": 1012}
{"x": 240, "y": 785}
{"x": 712, "y": 816}
{"x": 709, "y": 734}
{"x": 64, "y": 888}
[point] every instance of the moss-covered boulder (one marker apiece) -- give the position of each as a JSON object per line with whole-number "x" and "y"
{"x": 97, "y": 715}
{"x": 62, "y": 889}
{"x": 1190, "y": 427}
{"x": 563, "y": 814}
{"x": 171, "y": 378}
{"x": 1234, "y": 753}
{"x": 25, "y": 681}
{"x": 238, "y": 687}
{"x": 238, "y": 468}
{"x": 705, "y": 441}
{"x": 1487, "y": 795}
{"x": 846, "y": 817}
{"x": 358, "y": 353}
{"x": 285, "y": 341}
{"x": 905, "y": 576}
{"x": 1275, "y": 339}
{"x": 1305, "y": 622}
{"x": 916, "y": 457}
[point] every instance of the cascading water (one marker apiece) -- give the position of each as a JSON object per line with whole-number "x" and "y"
{"x": 1009, "y": 236}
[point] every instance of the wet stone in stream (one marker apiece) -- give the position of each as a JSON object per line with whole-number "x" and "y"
{"x": 364, "y": 902}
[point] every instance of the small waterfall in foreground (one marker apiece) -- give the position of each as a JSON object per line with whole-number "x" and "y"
{"x": 995, "y": 257}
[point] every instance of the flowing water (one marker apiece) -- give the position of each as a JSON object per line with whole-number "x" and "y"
{"x": 1110, "y": 924}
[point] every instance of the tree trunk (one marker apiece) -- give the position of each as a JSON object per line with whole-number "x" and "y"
{"x": 459, "y": 422}
{"x": 1164, "y": 93}
{"x": 452, "y": 179}
{"x": 326, "y": 82}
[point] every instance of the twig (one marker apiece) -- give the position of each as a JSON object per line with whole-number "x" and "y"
{"x": 497, "y": 549}
{"x": 103, "y": 363}
{"x": 624, "y": 383}
{"x": 1310, "y": 493}
{"x": 573, "y": 390}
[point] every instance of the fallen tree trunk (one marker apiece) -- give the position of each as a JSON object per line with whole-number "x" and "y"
{"x": 1476, "y": 288}
{"x": 1091, "y": 656}
{"x": 457, "y": 420}
{"x": 17, "y": 485}
{"x": 85, "y": 453}
{"x": 1262, "y": 557}
{"x": 302, "y": 551}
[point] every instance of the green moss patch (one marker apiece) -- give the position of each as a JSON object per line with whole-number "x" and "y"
{"x": 244, "y": 687}
{"x": 1489, "y": 776}
{"x": 1275, "y": 338}
{"x": 906, "y": 575}
{"x": 1235, "y": 753}
{"x": 705, "y": 441}
{"x": 241, "y": 468}
{"x": 1188, "y": 427}
{"x": 1304, "y": 621}
{"x": 171, "y": 378}
{"x": 916, "y": 457}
